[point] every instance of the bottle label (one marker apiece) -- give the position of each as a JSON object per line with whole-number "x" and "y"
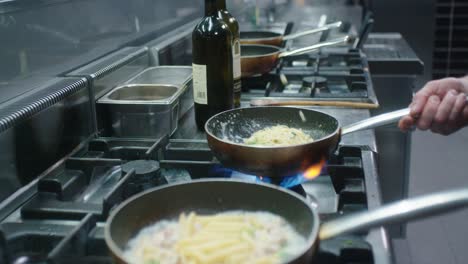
{"x": 236, "y": 58}
{"x": 200, "y": 95}
{"x": 237, "y": 86}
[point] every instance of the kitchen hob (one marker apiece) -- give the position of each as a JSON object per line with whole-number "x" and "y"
{"x": 329, "y": 74}
{"x": 339, "y": 76}
{"x": 60, "y": 216}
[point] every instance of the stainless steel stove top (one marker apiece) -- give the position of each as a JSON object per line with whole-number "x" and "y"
{"x": 61, "y": 214}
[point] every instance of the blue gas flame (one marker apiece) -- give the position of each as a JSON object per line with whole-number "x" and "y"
{"x": 286, "y": 182}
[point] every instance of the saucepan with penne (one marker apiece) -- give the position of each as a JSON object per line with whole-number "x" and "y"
{"x": 230, "y": 221}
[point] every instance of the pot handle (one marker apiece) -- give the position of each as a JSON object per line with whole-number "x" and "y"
{"x": 313, "y": 31}
{"x": 398, "y": 212}
{"x": 376, "y": 121}
{"x": 346, "y": 39}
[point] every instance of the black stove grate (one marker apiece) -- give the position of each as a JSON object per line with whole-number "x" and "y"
{"x": 342, "y": 76}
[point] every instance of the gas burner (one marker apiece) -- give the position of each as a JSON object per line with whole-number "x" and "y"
{"x": 291, "y": 183}
{"x": 325, "y": 61}
{"x": 312, "y": 84}
{"x": 340, "y": 77}
{"x": 288, "y": 182}
{"x": 299, "y": 190}
{"x": 147, "y": 173}
{"x": 143, "y": 168}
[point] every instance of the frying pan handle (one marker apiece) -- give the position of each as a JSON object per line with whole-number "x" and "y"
{"x": 398, "y": 212}
{"x": 315, "y": 47}
{"x": 313, "y": 31}
{"x": 376, "y": 121}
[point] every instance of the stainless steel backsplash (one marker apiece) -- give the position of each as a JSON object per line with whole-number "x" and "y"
{"x": 52, "y": 37}
{"x": 45, "y": 41}
{"x": 37, "y": 141}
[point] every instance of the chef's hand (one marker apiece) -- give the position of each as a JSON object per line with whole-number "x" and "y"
{"x": 439, "y": 106}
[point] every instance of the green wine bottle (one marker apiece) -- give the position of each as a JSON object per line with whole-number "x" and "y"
{"x": 212, "y": 65}
{"x": 234, "y": 27}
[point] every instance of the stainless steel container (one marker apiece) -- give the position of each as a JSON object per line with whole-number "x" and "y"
{"x": 151, "y": 103}
{"x": 180, "y": 76}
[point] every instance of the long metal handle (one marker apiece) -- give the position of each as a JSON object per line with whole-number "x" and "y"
{"x": 315, "y": 47}
{"x": 376, "y": 121}
{"x": 366, "y": 28}
{"x": 313, "y": 31}
{"x": 359, "y": 43}
{"x": 399, "y": 212}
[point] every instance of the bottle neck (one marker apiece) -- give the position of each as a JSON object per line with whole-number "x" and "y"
{"x": 221, "y": 4}
{"x": 211, "y": 7}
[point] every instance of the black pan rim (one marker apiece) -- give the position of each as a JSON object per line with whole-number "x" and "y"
{"x": 279, "y": 51}
{"x": 311, "y": 238}
{"x": 269, "y": 147}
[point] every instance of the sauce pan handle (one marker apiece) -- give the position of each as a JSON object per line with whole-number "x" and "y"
{"x": 313, "y": 31}
{"x": 376, "y": 121}
{"x": 398, "y": 212}
{"x": 317, "y": 46}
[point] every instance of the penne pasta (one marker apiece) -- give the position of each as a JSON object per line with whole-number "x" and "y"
{"x": 198, "y": 256}
{"x": 233, "y": 237}
{"x": 223, "y": 253}
{"x": 238, "y": 258}
{"x": 213, "y": 245}
{"x": 266, "y": 260}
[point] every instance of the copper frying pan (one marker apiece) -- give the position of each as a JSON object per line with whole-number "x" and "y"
{"x": 226, "y": 132}
{"x": 260, "y": 59}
